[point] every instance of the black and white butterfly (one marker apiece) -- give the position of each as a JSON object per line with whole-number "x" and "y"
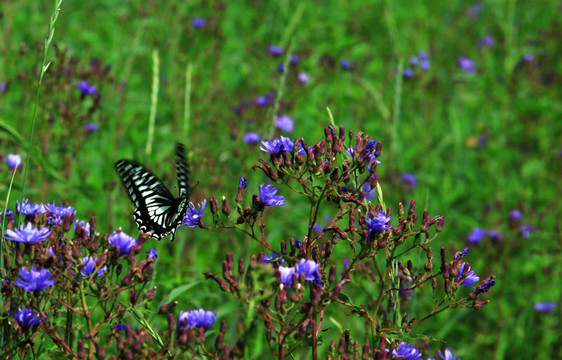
{"x": 157, "y": 212}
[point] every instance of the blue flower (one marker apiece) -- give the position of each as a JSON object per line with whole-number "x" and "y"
{"x": 467, "y": 65}
{"x": 471, "y": 276}
{"x": 262, "y": 101}
{"x": 268, "y": 258}
{"x": 121, "y": 327}
{"x": 310, "y": 270}
{"x": 285, "y": 123}
{"x": 476, "y": 235}
{"x": 526, "y": 230}
{"x": 528, "y": 57}
{"x": 545, "y": 306}
{"x": 122, "y": 241}
{"x": 27, "y": 318}
{"x": 197, "y": 318}
{"x": 346, "y": 64}
{"x": 495, "y": 235}
{"x": 379, "y": 223}
{"x": 58, "y": 213}
{"x": 251, "y": 138}
{"x": 242, "y": 182}
{"x": 486, "y": 41}
{"x": 198, "y": 23}
{"x": 13, "y": 161}
{"x": 90, "y": 265}
{"x": 194, "y": 214}
{"x": 462, "y": 254}
{"x": 303, "y": 77}
{"x": 286, "y": 278}
{"x": 408, "y": 351}
{"x": 408, "y": 73}
{"x": 370, "y": 155}
{"x": 9, "y": 213}
{"x": 85, "y": 89}
{"x": 91, "y": 127}
{"x": 275, "y": 50}
{"x": 268, "y": 197}
{"x": 281, "y": 68}
{"x": 85, "y": 225}
{"x": 34, "y": 279}
{"x": 408, "y": 180}
{"x": 484, "y": 288}
{"x": 294, "y": 59}
{"x": 448, "y": 355}
{"x": 29, "y": 208}
{"x": 152, "y": 254}
{"x": 28, "y": 234}
{"x": 475, "y": 9}
{"x": 515, "y": 215}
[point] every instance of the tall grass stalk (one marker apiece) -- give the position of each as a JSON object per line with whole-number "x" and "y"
{"x": 281, "y": 87}
{"x": 187, "y": 100}
{"x": 153, "y": 102}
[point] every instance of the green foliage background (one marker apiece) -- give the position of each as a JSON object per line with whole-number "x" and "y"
{"x": 480, "y": 145}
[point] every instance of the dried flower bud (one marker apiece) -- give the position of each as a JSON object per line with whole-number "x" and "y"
{"x": 166, "y": 308}
{"x": 225, "y": 207}
{"x": 81, "y": 352}
{"x": 214, "y": 205}
{"x": 241, "y": 267}
{"x": 149, "y": 295}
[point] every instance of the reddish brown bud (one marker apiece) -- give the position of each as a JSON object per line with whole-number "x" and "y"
{"x": 225, "y": 207}
{"x": 149, "y": 295}
{"x": 171, "y": 322}
{"x": 166, "y": 308}
{"x": 241, "y": 267}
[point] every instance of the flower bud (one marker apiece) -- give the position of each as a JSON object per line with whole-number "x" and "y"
{"x": 149, "y": 295}
{"x": 166, "y": 308}
{"x": 225, "y": 207}
{"x": 214, "y": 205}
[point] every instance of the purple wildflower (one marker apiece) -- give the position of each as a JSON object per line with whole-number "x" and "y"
{"x": 91, "y": 127}
{"x": 26, "y": 318}
{"x": 29, "y": 208}
{"x": 526, "y": 230}
{"x": 476, "y": 235}
{"x": 475, "y": 9}
{"x": 471, "y": 276}
{"x": 85, "y": 225}
{"x": 34, "y": 279}
{"x": 486, "y": 41}
{"x": 57, "y": 213}
{"x": 285, "y": 123}
{"x": 281, "y": 68}
{"x": 13, "y": 161}
{"x": 262, "y": 100}
{"x": 408, "y": 73}
{"x": 275, "y": 50}
{"x": 409, "y": 180}
{"x": 198, "y": 23}
{"x": 152, "y": 254}
{"x": 303, "y": 77}
{"x": 85, "y": 89}
{"x": 486, "y": 286}
{"x": 310, "y": 270}
{"x": 346, "y": 64}
{"x": 90, "y": 265}
{"x": 294, "y": 59}
{"x": 268, "y": 196}
{"x": 286, "y": 278}
{"x": 122, "y": 241}
{"x": 515, "y": 215}
{"x": 269, "y": 258}
{"x": 407, "y": 351}
{"x": 528, "y": 57}
{"x": 196, "y": 318}
{"x": 194, "y": 214}
{"x": 121, "y": 327}
{"x": 379, "y": 223}
{"x": 3, "y": 86}
{"x": 28, "y": 234}
{"x": 448, "y": 355}
{"x": 545, "y": 307}
{"x": 242, "y": 182}
{"x": 423, "y": 60}
{"x": 495, "y": 235}
{"x": 467, "y": 65}
{"x": 251, "y": 138}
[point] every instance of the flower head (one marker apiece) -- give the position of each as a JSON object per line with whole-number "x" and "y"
{"x": 152, "y": 254}
{"x": 515, "y": 215}
{"x": 268, "y": 196}
{"x": 194, "y": 214}
{"x": 495, "y": 235}
{"x": 28, "y": 234}
{"x": 408, "y": 73}
{"x": 379, "y": 223}
{"x": 34, "y": 279}
{"x": 471, "y": 276}
{"x": 122, "y": 241}
{"x": 269, "y": 258}
{"x": 545, "y": 306}
{"x": 85, "y": 88}
{"x": 242, "y": 182}
{"x": 286, "y": 273}
{"x": 408, "y": 351}
{"x": 275, "y": 50}
{"x": 90, "y": 265}
{"x": 346, "y": 64}
{"x": 197, "y": 318}
{"x": 486, "y": 41}
{"x": 91, "y": 127}
{"x": 476, "y": 235}
{"x": 310, "y": 270}
{"x": 528, "y": 57}
{"x": 526, "y": 230}
{"x": 120, "y": 327}
{"x": 27, "y": 318}
{"x": 198, "y": 23}
{"x": 475, "y": 9}
{"x": 29, "y": 208}
{"x": 409, "y": 180}
{"x": 448, "y": 355}
{"x": 13, "y": 160}
{"x": 251, "y": 138}
{"x": 303, "y": 77}
{"x": 285, "y": 123}
{"x": 85, "y": 225}
{"x": 57, "y": 213}
{"x": 467, "y": 65}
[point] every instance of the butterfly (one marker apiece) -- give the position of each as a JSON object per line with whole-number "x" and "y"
{"x": 157, "y": 212}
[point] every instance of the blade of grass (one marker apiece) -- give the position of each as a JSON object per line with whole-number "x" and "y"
{"x": 187, "y": 100}
{"x": 153, "y": 102}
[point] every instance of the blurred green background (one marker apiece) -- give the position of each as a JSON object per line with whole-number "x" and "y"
{"x": 480, "y": 145}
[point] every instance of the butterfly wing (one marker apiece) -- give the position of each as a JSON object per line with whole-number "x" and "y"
{"x": 182, "y": 169}
{"x": 157, "y": 211}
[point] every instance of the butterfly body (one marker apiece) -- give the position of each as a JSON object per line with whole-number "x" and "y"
{"x": 157, "y": 212}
